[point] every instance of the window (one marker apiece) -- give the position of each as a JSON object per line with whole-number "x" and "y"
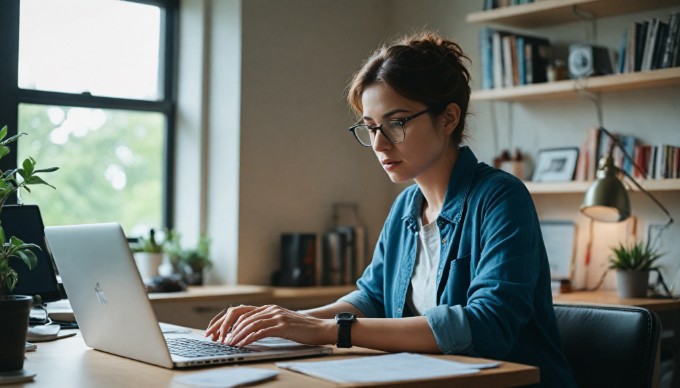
{"x": 93, "y": 87}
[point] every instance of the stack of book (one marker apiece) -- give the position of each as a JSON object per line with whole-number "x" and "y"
{"x": 492, "y": 4}
{"x": 651, "y": 44}
{"x": 510, "y": 59}
{"x": 654, "y": 161}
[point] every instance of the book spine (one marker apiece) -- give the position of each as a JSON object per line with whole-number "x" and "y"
{"x": 486, "y": 60}
{"x": 671, "y": 40}
{"x": 507, "y": 61}
{"x": 659, "y": 45}
{"x": 497, "y": 60}
{"x": 649, "y": 45}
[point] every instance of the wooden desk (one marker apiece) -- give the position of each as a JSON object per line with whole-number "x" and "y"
{"x": 611, "y": 298}
{"x": 69, "y": 363}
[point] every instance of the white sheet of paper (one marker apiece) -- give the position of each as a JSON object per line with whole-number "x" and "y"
{"x": 224, "y": 378}
{"x": 384, "y": 368}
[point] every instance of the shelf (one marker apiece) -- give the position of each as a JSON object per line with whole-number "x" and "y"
{"x": 551, "y": 12}
{"x": 581, "y": 187}
{"x": 571, "y": 88}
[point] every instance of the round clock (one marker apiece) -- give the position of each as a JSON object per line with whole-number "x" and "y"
{"x": 580, "y": 61}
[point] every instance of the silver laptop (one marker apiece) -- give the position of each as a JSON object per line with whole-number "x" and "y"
{"x": 114, "y": 314}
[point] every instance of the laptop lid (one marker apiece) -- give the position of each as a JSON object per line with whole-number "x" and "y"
{"x": 25, "y": 222}
{"x": 106, "y": 293}
{"x": 112, "y": 308}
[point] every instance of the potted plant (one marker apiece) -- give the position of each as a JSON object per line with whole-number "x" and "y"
{"x": 148, "y": 255}
{"x": 190, "y": 262}
{"x": 14, "y": 309}
{"x": 633, "y": 263}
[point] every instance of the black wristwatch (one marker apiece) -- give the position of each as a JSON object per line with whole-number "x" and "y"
{"x": 345, "y": 321}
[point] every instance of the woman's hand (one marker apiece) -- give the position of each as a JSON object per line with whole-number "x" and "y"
{"x": 242, "y": 325}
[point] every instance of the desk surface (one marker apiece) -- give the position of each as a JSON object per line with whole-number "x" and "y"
{"x": 69, "y": 362}
{"x": 611, "y": 298}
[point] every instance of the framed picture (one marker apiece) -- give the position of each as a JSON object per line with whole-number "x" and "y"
{"x": 555, "y": 165}
{"x": 559, "y": 240}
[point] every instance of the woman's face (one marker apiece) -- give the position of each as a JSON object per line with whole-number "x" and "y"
{"x": 426, "y": 145}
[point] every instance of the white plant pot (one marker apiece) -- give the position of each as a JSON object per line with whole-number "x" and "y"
{"x": 147, "y": 263}
{"x": 632, "y": 284}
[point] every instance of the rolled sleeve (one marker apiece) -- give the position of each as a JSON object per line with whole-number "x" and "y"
{"x": 363, "y": 302}
{"x": 451, "y": 329}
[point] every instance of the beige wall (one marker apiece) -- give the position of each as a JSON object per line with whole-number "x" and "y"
{"x": 296, "y": 159}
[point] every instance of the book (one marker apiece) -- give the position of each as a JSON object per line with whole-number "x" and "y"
{"x": 659, "y": 45}
{"x": 486, "y": 57}
{"x": 507, "y": 61}
{"x": 640, "y": 40}
{"x": 650, "y": 40}
{"x": 497, "y": 59}
{"x": 671, "y": 40}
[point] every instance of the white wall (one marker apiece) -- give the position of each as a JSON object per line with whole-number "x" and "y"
{"x": 296, "y": 159}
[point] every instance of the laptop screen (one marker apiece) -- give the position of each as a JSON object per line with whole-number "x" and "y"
{"x": 25, "y": 222}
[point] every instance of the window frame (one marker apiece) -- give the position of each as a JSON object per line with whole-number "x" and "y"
{"x": 11, "y": 95}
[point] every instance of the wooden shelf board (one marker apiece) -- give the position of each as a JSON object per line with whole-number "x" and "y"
{"x": 571, "y": 88}
{"x": 550, "y": 12}
{"x": 581, "y": 187}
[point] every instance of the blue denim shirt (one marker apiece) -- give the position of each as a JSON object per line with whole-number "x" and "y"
{"x": 494, "y": 297}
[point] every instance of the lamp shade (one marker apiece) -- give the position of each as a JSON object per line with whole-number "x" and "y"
{"x": 606, "y": 200}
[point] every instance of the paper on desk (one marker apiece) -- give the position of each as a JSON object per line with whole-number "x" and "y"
{"x": 228, "y": 377}
{"x": 384, "y": 368}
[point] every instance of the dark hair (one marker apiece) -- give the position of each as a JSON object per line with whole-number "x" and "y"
{"x": 422, "y": 67}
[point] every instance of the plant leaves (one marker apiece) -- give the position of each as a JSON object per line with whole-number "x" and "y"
{"x": 36, "y": 180}
{"x": 28, "y": 257}
{"x": 3, "y": 132}
{"x": 51, "y": 169}
{"x": 29, "y": 166}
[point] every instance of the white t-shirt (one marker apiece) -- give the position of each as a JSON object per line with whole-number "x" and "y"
{"x": 422, "y": 292}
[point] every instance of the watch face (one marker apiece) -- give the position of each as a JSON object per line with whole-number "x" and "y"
{"x": 344, "y": 317}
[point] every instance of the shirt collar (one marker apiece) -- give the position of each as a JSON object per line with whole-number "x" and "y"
{"x": 456, "y": 193}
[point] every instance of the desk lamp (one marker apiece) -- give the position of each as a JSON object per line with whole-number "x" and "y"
{"x": 606, "y": 199}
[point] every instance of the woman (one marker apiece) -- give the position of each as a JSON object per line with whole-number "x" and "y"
{"x": 460, "y": 266}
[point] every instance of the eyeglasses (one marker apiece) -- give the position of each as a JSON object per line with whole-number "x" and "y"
{"x": 393, "y": 130}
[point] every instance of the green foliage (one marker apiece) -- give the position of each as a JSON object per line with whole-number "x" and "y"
{"x": 9, "y": 184}
{"x": 637, "y": 256}
{"x": 148, "y": 244}
{"x": 92, "y": 148}
{"x": 197, "y": 257}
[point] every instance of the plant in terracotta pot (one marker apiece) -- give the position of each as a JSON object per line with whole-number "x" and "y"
{"x": 14, "y": 309}
{"x": 633, "y": 263}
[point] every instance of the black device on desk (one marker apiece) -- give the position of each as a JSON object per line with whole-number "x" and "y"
{"x": 25, "y": 222}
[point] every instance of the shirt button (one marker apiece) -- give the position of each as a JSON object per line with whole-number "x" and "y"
{"x": 444, "y": 240}
{"x": 439, "y": 273}
{"x": 399, "y": 309}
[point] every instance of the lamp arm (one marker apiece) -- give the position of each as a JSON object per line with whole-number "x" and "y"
{"x": 648, "y": 194}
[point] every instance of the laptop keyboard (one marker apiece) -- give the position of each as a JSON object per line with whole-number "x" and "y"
{"x": 188, "y": 347}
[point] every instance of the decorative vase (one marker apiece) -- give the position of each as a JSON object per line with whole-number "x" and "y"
{"x": 14, "y": 312}
{"x": 148, "y": 263}
{"x": 632, "y": 284}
